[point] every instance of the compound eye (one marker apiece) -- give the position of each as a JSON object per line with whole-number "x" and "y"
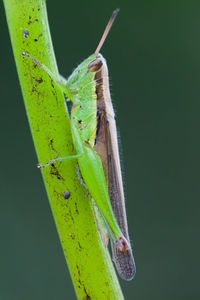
{"x": 95, "y": 65}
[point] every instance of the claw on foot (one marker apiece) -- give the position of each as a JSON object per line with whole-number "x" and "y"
{"x": 39, "y": 166}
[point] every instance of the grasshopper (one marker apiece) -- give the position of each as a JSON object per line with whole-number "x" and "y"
{"x": 95, "y": 140}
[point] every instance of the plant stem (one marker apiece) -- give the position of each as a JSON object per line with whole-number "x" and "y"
{"x": 88, "y": 260}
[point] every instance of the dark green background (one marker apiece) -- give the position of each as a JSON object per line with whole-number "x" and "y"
{"x": 153, "y": 55}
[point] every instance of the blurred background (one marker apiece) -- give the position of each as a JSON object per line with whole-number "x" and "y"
{"x": 153, "y": 55}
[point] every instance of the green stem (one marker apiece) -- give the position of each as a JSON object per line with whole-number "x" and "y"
{"x": 88, "y": 260}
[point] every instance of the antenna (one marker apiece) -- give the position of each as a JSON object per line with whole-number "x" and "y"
{"x": 106, "y": 31}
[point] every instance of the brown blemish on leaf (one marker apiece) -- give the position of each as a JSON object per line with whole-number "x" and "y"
{"x": 71, "y": 216}
{"x": 80, "y": 245}
{"x": 76, "y": 208}
{"x": 29, "y": 22}
{"x": 72, "y": 235}
{"x": 82, "y": 286}
{"x": 40, "y": 80}
{"x": 87, "y": 297}
{"x": 34, "y": 90}
{"x": 79, "y": 273}
{"x": 54, "y": 171}
{"x": 52, "y": 147}
{"x": 52, "y": 83}
{"x": 36, "y": 40}
{"x": 32, "y": 21}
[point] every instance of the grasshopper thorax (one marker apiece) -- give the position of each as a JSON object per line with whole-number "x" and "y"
{"x": 85, "y": 84}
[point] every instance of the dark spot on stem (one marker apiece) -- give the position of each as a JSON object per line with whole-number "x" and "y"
{"x": 72, "y": 235}
{"x": 87, "y": 296}
{"x": 76, "y": 208}
{"x": 80, "y": 245}
{"x": 55, "y": 172}
{"x": 79, "y": 273}
{"x": 82, "y": 284}
{"x": 32, "y": 21}
{"x": 67, "y": 195}
{"x": 39, "y": 80}
{"x": 36, "y": 40}
{"x": 26, "y": 33}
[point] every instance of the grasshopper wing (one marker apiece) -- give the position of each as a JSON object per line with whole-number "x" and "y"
{"x": 107, "y": 148}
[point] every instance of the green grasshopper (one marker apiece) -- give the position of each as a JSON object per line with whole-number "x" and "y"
{"x": 95, "y": 140}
